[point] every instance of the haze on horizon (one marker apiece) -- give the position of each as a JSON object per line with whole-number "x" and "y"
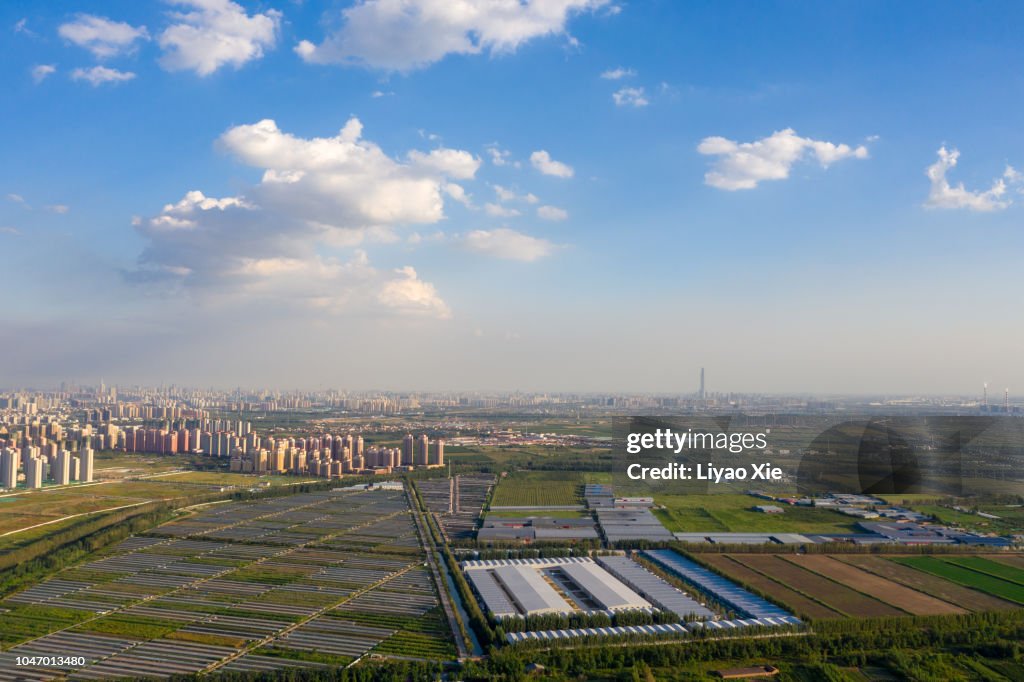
{"x": 562, "y": 195}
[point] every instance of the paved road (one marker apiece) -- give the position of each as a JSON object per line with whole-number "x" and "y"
{"x": 428, "y": 547}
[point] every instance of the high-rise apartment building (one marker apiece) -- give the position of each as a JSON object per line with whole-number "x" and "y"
{"x": 422, "y": 450}
{"x": 407, "y": 444}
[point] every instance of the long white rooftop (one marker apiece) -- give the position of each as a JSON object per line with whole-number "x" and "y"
{"x": 530, "y": 591}
{"x": 604, "y": 588}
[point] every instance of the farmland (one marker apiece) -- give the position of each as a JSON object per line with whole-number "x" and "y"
{"x": 899, "y": 596}
{"x": 837, "y": 597}
{"x": 307, "y": 579}
{"x": 734, "y": 513}
{"x": 538, "y": 489}
{"x": 968, "y": 577}
{"x": 820, "y": 586}
{"x": 802, "y": 605}
{"x": 964, "y": 597}
{"x": 116, "y": 487}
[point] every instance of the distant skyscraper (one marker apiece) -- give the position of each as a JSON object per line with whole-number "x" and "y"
{"x": 34, "y": 473}
{"x": 422, "y": 450}
{"x": 86, "y": 455}
{"x": 62, "y": 472}
{"x": 701, "y": 395}
{"x": 438, "y": 457}
{"x": 407, "y": 449}
{"x": 9, "y": 468}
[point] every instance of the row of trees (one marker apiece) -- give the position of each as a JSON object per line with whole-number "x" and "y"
{"x": 811, "y": 548}
{"x": 563, "y": 621}
{"x": 844, "y": 643}
{"x": 50, "y": 553}
{"x": 934, "y": 647}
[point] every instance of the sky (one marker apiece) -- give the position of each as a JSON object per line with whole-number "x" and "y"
{"x": 542, "y": 195}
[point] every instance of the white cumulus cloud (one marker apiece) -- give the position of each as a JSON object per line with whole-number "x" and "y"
{"x": 216, "y": 33}
{"x": 742, "y": 165}
{"x": 458, "y": 193}
{"x": 400, "y": 35}
{"x": 499, "y": 156}
{"x": 454, "y": 163}
{"x": 618, "y": 73}
{"x": 543, "y": 162}
{"x": 407, "y": 293}
{"x": 500, "y": 211}
{"x": 280, "y": 239}
{"x": 508, "y": 244}
{"x": 101, "y": 36}
{"x": 98, "y": 75}
{"x": 944, "y": 195}
{"x": 345, "y": 180}
{"x": 552, "y": 213}
{"x": 41, "y": 71}
{"x": 506, "y": 194}
{"x": 630, "y": 97}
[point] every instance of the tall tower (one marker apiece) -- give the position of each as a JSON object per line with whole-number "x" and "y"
{"x": 438, "y": 458}
{"x": 407, "y": 449}
{"x": 9, "y": 468}
{"x": 62, "y": 475}
{"x": 422, "y": 451}
{"x": 86, "y": 454}
{"x": 701, "y": 395}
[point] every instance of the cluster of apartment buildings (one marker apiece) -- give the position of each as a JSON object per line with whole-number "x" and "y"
{"x": 333, "y": 456}
{"x": 47, "y": 463}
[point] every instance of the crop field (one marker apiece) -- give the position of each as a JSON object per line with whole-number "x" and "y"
{"x": 232, "y": 478}
{"x": 308, "y": 579}
{"x": 457, "y": 521}
{"x": 891, "y": 593}
{"x": 27, "y": 508}
{"x": 989, "y": 567}
{"x": 734, "y": 513}
{"x": 1010, "y": 560}
{"x": 968, "y": 576}
{"x": 538, "y": 489}
{"x": 861, "y": 586}
{"x": 819, "y": 588}
{"x": 803, "y": 606}
{"x": 964, "y": 597}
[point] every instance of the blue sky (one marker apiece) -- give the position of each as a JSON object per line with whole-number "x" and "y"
{"x": 749, "y": 194}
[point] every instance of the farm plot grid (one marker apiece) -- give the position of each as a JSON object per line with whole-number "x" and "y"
{"x": 820, "y": 586}
{"x": 457, "y": 502}
{"x": 310, "y": 579}
{"x": 993, "y": 578}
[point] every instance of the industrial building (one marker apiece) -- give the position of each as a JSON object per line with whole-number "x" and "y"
{"x": 526, "y": 587}
{"x": 722, "y": 589}
{"x": 652, "y": 588}
{"x": 602, "y": 587}
{"x": 529, "y": 529}
{"x": 632, "y": 524}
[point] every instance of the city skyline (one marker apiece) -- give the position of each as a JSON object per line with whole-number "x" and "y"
{"x": 558, "y": 196}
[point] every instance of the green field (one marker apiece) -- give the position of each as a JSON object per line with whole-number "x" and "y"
{"x": 539, "y": 488}
{"x": 232, "y": 479}
{"x": 966, "y": 576}
{"x": 732, "y": 513}
{"x": 993, "y": 568}
{"x": 117, "y": 487}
